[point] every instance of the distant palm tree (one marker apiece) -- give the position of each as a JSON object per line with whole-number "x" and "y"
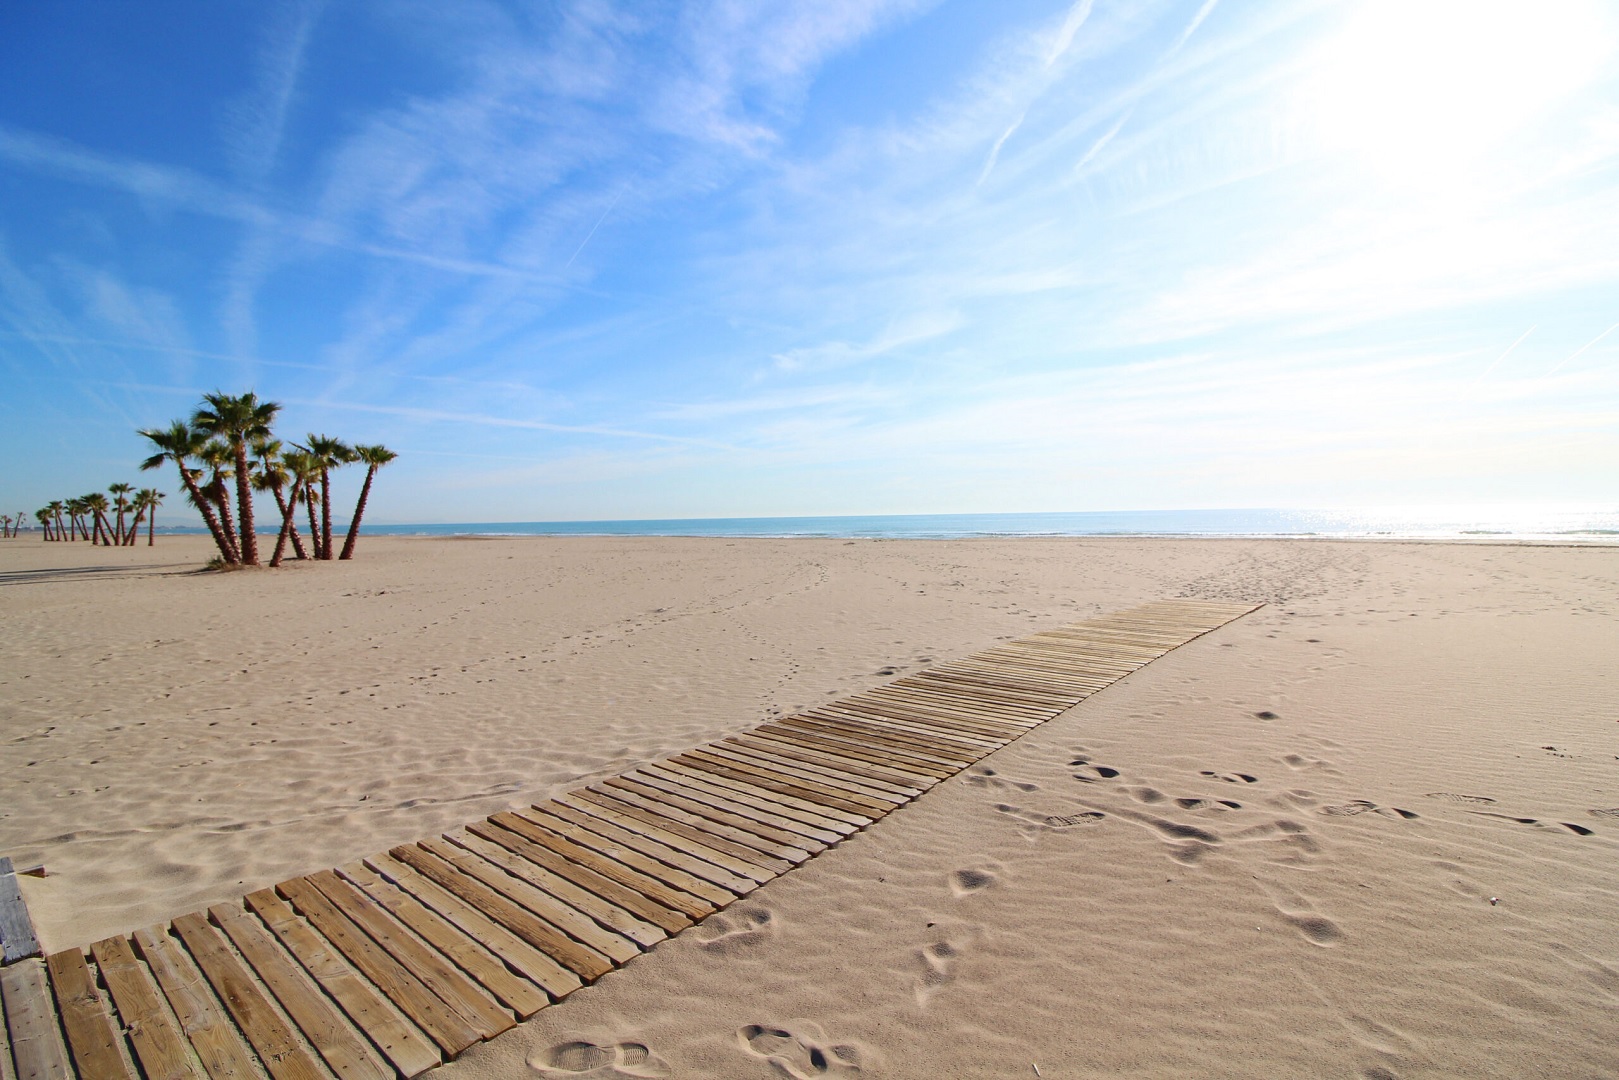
{"x": 75, "y": 516}
{"x": 270, "y": 474}
{"x": 301, "y": 469}
{"x": 329, "y": 453}
{"x": 237, "y": 420}
{"x": 120, "y": 499}
{"x": 56, "y": 512}
{"x": 147, "y": 500}
{"x": 43, "y": 516}
{"x": 96, "y": 505}
{"x": 221, "y": 460}
{"x": 179, "y": 443}
{"x": 375, "y": 457}
{"x": 5, "y": 525}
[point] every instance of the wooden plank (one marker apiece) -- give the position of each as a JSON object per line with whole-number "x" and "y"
{"x": 36, "y": 1040}
{"x": 642, "y": 899}
{"x": 426, "y": 859}
{"x": 432, "y": 970}
{"x": 17, "y": 940}
{"x": 819, "y": 767}
{"x": 969, "y": 721}
{"x": 712, "y": 806}
{"x": 856, "y": 811}
{"x": 855, "y": 756}
{"x": 218, "y": 1046}
{"x": 7, "y": 1068}
{"x": 652, "y": 846}
{"x": 785, "y": 806}
{"x": 159, "y": 1046}
{"x": 889, "y": 733}
{"x": 92, "y": 1036}
{"x": 485, "y": 967}
{"x": 738, "y": 859}
{"x": 777, "y": 844}
{"x": 498, "y": 868}
{"x": 868, "y": 741}
{"x": 278, "y": 1048}
{"x": 344, "y": 1051}
{"x": 707, "y": 833}
{"x": 923, "y": 727}
{"x": 527, "y": 861}
{"x": 442, "y": 1022}
{"x": 518, "y": 954}
{"x": 628, "y": 856}
{"x": 407, "y": 1048}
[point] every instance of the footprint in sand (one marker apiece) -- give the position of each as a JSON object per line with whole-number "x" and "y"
{"x": 1230, "y": 778}
{"x": 1034, "y": 824}
{"x": 735, "y": 929}
{"x": 1217, "y": 805}
{"x": 580, "y": 1057}
{"x": 969, "y": 880}
{"x": 798, "y": 1049}
{"x": 1578, "y": 830}
{"x": 1102, "y": 771}
{"x": 940, "y": 958}
{"x": 1613, "y": 813}
{"x": 1302, "y": 916}
{"x": 985, "y": 777}
{"x": 1450, "y": 796}
{"x": 1362, "y": 806}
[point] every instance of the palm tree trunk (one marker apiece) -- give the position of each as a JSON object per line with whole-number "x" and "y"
{"x": 325, "y": 513}
{"x": 314, "y": 526}
{"x": 359, "y": 512}
{"x": 128, "y": 539}
{"x": 200, "y": 501}
{"x": 289, "y": 513}
{"x": 221, "y": 499}
{"x": 101, "y": 537}
{"x": 151, "y": 527}
{"x": 244, "y": 505}
{"x": 59, "y": 526}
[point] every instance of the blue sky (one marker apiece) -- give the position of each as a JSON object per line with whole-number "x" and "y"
{"x": 579, "y": 260}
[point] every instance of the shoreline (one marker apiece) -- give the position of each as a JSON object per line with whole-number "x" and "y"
{"x": 182, "y": 737}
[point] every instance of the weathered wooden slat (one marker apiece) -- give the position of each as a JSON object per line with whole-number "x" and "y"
{"x": 437, "y": 860}
{"x": 653, "y": 846}
{"x": 449, "y": 984}
{"x": 443, "y": 1023}
{"x": 709, "y": 834}
{"x": 742, "y": 831}
{"x": 644, "y": 899}
{"x": 282, "y": 1055}
{"x": 36, "y": 1038}
{"x": 786, "y": 806}
{"x": 518, "y": 954}
{"x": 8, "y": 1069}
{"x": 410, "y": 1050}
{"x": 344, "y": 1051}
{"x": 867, "y": 740}
{"x": 159, "y": 1046}
{"x": 215, "y": 1040}
{"x": 710, "y": 806}
{"x": 485, "y": 967}
{"x": 628, "y": 856}
{"x": 736, "y": 858}
{"x": 92, "y": 1036}
{"x": 17, "y": 940}
{"x": 887, "y": 734}
{"x": 823, "y": 768}
{"x": 498, "y": 868}
{"x": 854, "y": 811}
{"x": 926, "y": 730}
{"x": 527, "y": 861}
{"x": 862, "y": 762}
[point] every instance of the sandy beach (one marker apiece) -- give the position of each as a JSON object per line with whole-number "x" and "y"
{"x": 1369, "y": 830}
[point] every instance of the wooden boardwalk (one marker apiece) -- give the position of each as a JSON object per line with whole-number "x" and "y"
{"x": 389, "y": 965}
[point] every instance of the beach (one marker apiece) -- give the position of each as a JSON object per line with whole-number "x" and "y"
{"x": 1368, "y": 830}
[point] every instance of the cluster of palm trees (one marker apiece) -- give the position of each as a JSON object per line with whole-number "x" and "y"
{"x": 228, "y": 444}
{"x": 11, "y": 526}
{"x": 100, "y": 521}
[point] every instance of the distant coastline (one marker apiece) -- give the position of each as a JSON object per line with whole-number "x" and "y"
{"x": 1586, "y": 525}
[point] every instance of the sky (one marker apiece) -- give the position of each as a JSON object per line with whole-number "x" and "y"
{"x": 596, "y": 260}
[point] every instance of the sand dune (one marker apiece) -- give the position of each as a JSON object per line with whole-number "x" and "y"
{"x": 1271, "y": 853}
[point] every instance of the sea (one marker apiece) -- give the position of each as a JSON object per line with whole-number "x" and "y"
{"x": 1569, "y": 525}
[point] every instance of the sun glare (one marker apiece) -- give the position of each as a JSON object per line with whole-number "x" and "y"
{"x": 1420, "y": 90}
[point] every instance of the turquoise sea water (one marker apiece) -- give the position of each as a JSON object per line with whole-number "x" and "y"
{"x": 1568, "y": 525}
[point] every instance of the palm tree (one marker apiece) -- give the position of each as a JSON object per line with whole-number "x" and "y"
{"x": 96, "y": 505}
{"x": 178, "y": 443}
{"x": 329, "y": 453}
{"x": 375, "y": 457}
{"x": 147, "y": 500}
{"x": 237, "y": 421}
{"x": 221, "y": 459}
{"x": 5, "y": 525}
{"x": 75, "y": 516}
{"x": 270, "y": 474}
{"x": 120, "y": 500}
{"x": 302, "y": 469}
{"x": 56, "y": 512}
{"x": 43, "y": 516}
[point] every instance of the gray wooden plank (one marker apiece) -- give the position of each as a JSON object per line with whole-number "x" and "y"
{"x": 36, "y": 1037}
{"x": 16, "y": 928}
